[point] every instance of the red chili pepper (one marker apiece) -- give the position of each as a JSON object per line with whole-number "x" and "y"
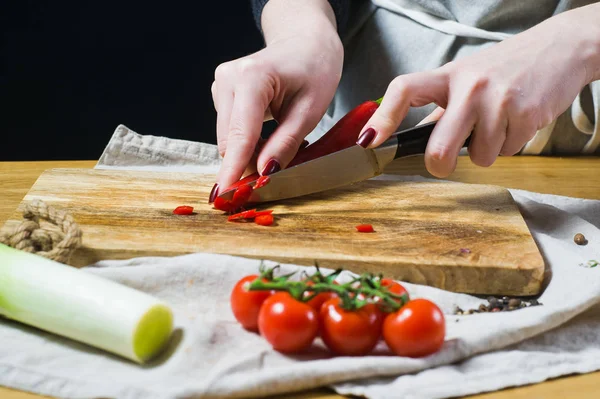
{"x": 264, "y": 220}
{"x": 365, "y": 228}
{"x": 183, "y": 210}
{"x": 342, "y": 135}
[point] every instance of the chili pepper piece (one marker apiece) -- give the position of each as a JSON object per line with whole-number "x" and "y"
{"x": 365, "y": 228}
{"x": 183, "y": 210}
{"x": 262, "y": 181}
{"x": 264, "y": 220}
{"x": 241, "y": 195}
{"x": 265, "y": 212}
{"x": 249, "y": 214}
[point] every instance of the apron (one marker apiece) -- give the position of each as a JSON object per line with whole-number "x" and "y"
{"x": 387, "y": 38}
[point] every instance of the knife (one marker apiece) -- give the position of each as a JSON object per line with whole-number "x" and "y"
{"x": 341, "y": 168}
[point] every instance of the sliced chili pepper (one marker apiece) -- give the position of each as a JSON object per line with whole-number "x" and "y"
{"x": 183, "y": 210}
{"x": 265, "y": 212}
{"x": 264, "y": 220}
{"x": 365, "y": 228}
{"x": 242, "y": 195}
{"x": 223, "y": 205}
{"x": 249, "y": 214}
{"x": 262, "y": 181}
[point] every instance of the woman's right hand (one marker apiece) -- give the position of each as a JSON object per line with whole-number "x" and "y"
{"x": 292, "y": 80}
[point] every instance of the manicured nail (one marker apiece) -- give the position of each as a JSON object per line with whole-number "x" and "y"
{"x": 213, "y": 193}
{"x": 271, "y": 167}
{"x": 365, "y": 139}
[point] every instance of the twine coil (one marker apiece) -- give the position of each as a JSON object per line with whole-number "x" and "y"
{"x": 29, "y": 236}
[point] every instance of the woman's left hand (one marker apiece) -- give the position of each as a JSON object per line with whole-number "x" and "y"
{"x": 501, "y": 95}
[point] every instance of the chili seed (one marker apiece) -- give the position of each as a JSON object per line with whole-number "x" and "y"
{"x": 580, "y": 239}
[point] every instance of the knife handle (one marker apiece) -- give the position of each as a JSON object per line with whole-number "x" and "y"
{"x": 413, "y": 141}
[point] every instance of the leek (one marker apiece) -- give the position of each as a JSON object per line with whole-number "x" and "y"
{"x": 81, "y": 306}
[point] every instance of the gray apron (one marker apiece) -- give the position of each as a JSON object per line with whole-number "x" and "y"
{"x": 387, "y": 38}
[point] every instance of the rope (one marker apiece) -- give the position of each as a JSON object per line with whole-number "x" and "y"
{"x": 29, "y": 236}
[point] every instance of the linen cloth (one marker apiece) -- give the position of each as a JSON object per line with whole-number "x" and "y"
{"x": 212, "y": 356}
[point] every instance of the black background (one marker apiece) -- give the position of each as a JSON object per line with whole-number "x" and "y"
{"x": 73, "y": 71}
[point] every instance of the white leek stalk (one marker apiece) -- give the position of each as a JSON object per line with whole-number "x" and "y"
{"x": 81, "y": 306}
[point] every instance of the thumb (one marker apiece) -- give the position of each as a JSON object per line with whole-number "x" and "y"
{"x": 412, "y": 90}
{"x": 433, "y": 116}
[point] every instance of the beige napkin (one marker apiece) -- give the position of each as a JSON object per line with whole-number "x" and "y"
{"x": 212, "y": 356}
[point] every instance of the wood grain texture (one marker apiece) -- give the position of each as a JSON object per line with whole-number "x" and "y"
{"x": 576, "y": 177}
{"x": 422, "y": 228}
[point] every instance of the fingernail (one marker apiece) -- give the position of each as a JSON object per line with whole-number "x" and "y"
{"x": 366, "y": 138}
{"x": 271, "y": 167}
{"x": 213, "y": 193}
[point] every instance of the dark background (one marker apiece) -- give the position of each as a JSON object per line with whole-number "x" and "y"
{"x": 72, "y": 71}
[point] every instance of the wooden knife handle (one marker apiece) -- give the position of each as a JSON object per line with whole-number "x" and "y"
{"x": 413, "y": 141}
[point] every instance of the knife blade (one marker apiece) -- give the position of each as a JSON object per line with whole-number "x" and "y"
{"x": 341, "y": 168}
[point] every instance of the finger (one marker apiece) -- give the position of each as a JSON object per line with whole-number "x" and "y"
{"x": 245, "y": 126}
{"x": 488, "y": 136}
{"x": 448, "y": 137}
{"x": 412, "y": 90}
{"x": 224, "y": 103}
{"x": 433, "y": 116}
{"x": 517, "y": 135}
{"x": 300, "y": 119}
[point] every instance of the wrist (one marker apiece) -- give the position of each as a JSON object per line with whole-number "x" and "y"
{"x": 310, "y": 19}
{"x": 582, "y": 23}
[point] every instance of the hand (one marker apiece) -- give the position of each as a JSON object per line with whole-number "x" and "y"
{"x": 292, "y": 80}
{"x": 502, "y": 94}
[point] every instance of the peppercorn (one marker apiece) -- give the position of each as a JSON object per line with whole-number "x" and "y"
{"x": 580, "y": 239}
{"x": 515, "y": 302}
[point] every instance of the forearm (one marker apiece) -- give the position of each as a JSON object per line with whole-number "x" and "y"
{"x": 283, "y": 18}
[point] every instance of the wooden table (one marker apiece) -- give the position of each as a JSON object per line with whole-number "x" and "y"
{"x": 576, "y": 177}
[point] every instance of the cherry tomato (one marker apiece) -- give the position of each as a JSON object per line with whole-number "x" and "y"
{"x": 417, "y": 329}
{"x": 320, "y": 298}
{"x": 394, "y": 287}
{"x": 287, "y": 324}
{"x": 350, "y": 332}
{"x": 246, "y": 304}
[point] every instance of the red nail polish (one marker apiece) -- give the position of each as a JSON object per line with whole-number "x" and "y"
{"x": 271, "y": 167}
{"x": 366, "y": 138}
{"x": 213, "y": 193}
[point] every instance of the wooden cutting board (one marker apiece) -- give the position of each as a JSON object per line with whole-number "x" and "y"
{"x": 459, "y": 237}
